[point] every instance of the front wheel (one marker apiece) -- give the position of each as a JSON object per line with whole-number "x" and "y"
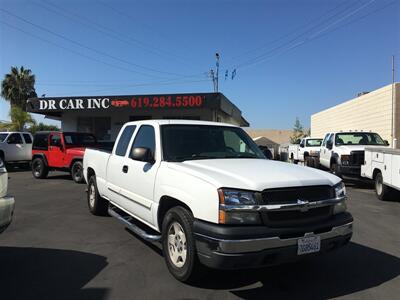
{"x": 39, "y": 168}
{"x": 382, "y": 191}
{"x": 98, "y": 206}
{"x": 179, "y": 246}
{"x": 77, "y": 172}
{"x": 335, "y": 169}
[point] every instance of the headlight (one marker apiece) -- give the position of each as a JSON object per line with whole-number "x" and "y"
{"x": 340, "y": 190}
{"x": 230, "y": 203}
{"x": 345, "y": 159}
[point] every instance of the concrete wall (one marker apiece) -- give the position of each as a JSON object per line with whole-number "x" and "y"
{"x": 275, "y": 135}
{"x": 370, "y": 112}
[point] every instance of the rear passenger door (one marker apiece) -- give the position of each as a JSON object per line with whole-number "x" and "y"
{"x": 28, "y": 146}
{"x": 137, "y": 179}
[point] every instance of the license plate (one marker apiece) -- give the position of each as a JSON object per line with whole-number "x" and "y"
{"x": 309, "y": 244}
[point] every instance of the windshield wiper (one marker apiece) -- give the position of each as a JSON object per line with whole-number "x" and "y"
{"x": 192, "y": 157}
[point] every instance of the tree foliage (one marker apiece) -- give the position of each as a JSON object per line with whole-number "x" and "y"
{"x": 18, "y": 86}
{"x": 43, "y": 127}
{"x": 298, "y": 132}
{"x": 19, "y": 119}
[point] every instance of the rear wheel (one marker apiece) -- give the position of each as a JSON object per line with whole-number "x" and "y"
{"x": 39, "y": 168}
{"x": 179, "y": 246}
{"x": 98, "y": 206}
{"x": 77, "y": 172}
{"x": 382, "y": 191}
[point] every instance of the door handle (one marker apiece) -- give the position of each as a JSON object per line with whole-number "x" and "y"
{"x": 125, "y": 169}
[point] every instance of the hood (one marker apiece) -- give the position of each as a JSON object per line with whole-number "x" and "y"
{"x": 253, "y": 174}
{"x": 79, "y": 151}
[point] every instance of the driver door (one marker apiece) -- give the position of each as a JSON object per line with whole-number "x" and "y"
{"x": 56, "y": 151}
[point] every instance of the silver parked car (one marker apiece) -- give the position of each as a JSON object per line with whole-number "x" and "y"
{"x": 6, "y": 202}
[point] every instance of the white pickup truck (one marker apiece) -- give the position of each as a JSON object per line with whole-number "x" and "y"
{"x": 7, "y": 202}
{"x": 382, "y": 164}
{"x": 208, "y": 194}
{"x": 16, "y": 147}
{"x": 343, "y": 152}
{"x": 307, "y": 151}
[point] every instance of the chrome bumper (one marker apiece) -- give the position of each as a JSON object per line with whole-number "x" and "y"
{"x": 254, "y": 245}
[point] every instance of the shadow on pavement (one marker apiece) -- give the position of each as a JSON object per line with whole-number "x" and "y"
{"x": 348, "y": 270}
{"x": 37, "y": 273}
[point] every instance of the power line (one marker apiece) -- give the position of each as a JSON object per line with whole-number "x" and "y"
{"x": 67, "y": 49}
{"x": 327, "y": 13}
{"x": 260, "y": 57}
{"x": 105, "y": 30}
{"x": 327, "y": 32}
{"x": 92, "y": 49}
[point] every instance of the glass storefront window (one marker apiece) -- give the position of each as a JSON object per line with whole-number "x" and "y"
{"x": 99, "y": 126}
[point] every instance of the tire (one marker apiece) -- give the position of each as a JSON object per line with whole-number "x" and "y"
{"x": 383, "y": 192}
{"x": 185, "y": 268}
{"x": 77, "y": 172}
{"x": 97, "y": 205}
{"x": 39, "y": 168}
{"x": 335, "y": 169}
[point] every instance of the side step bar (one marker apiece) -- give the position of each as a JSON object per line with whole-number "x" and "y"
{"x": 129, "y": 221}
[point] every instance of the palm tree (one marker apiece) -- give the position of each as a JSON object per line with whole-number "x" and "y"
{"x": 19, "y": 119}
{"x": 18, "y": 86}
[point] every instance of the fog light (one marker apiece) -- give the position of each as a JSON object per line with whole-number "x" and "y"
{"x": 340, "y": 207}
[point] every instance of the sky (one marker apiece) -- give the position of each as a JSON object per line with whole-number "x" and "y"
{"x": 291, "y": 58}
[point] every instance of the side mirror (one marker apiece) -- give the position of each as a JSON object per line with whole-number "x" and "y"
{"x": 329, "y": 145}
{"x": 301, "y": 145}
{"x": 386, "y": 143}
{"x": 142, "y": 154}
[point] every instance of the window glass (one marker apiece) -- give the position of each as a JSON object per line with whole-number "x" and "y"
{"x": 79, "y": 139}
{"x": 331, "y": 138}
{"x": 27, "y": 138}
{"x": 40, "y": 142}
{"x": 3, "y": 136}
{"x": 313, "y": 142}
{"x": 189, "y": 142}
{"x": 325, "y": 139}
{"x": 55, "y": 140}
{"x": 358, "y": 138}
{"x": 14, "y": 138}
{"x": 145, "y": 138}
{"x": 99, "y": 126}
{"x": 124, "y": 139}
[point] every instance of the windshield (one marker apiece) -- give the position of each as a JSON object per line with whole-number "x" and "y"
{"x": 3, "y": 137}
{"x": 189, "y": 142}
{"x": 358, "y": 138}
{"x": 313, "y": 142}
{"x": 79, "y": 139}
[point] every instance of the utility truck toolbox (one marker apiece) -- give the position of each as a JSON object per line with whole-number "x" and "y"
{"x": 382, "y": 164}
{"x": 207, "y": 193}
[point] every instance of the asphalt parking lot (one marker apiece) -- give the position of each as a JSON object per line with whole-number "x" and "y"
{"x": 55, "y": 249}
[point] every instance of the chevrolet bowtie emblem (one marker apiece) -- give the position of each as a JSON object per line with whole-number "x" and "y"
{"x": 304, "y": 204}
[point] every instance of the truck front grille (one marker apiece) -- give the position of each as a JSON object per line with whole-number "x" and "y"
{"x": 357, "y": 158}
{"x": 291, "y": 218}
{"x": 291, "y": 195}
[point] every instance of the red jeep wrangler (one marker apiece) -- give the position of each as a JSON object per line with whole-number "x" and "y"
{"x": 62, "y": 151}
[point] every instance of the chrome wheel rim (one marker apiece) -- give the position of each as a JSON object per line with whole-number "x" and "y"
{"x": 378, "y": 186}
{"x": 177, "y": 249}
{"x": 37, "y": 168}
{"x": 92, "y": 195}
{"x": 77, "y": 173}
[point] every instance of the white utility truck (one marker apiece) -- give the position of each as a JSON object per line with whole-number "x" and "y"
{"x": 307, "y": 151}
{"x": 343, "y": 152}
{"x": 383, "y": 166}
{"x": 16, "y": 147}
{"x": 209, "y": 195}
